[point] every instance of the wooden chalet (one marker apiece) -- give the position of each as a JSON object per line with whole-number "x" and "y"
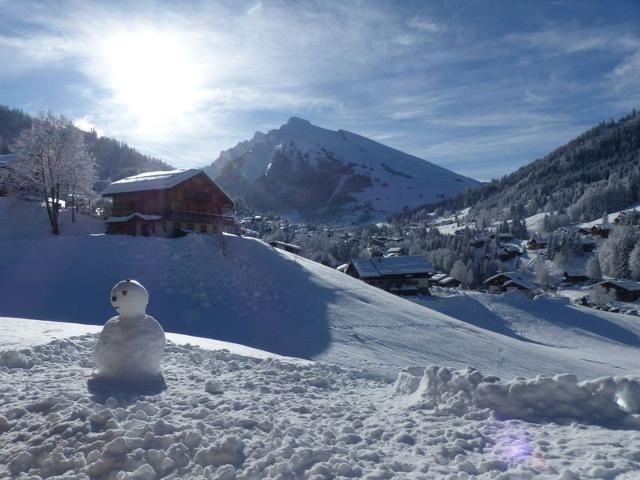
{"x": 624, "y": 290}
{"x": 169, "y": 203}
{"x": 508, "y": 281}
{"x": 575, "y": 276}
{"x": 405, "y": 275}
{"x": 288, "y": 247}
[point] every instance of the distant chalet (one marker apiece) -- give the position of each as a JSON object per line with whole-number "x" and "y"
{"x": 169, "y": 203}
{"x": 402, "y": 275}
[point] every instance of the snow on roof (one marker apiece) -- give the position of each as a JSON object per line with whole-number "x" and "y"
{"x": 439, "y": 276}
{"x": 509, "y": 275}
{"x": 142, "y": 216}
{"x": 365, "y": 268}
{"x": 628, "y": 285}
{"x": 380, "y": 266}
{"x": 519, "y": 282}
{"x": 161, "y": 180}
{"x": 342, "y": 268}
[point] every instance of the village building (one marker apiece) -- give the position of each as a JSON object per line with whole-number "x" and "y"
{"x": 624, "y": 290}
{"x": 408, "y": 275}
{"x": 508, "y": 281}
{"x": 602, "y": 230}
{"x": 288, "y": 247}
{"x": 169, "y": 203}
{"x": 535, "y": 244}
{"x": 509, "y": 251}
{"x": 449, "y": 282}
{"x": 394, "y": 252}
{"x": 575, "y": 276}
{"x": 434, "y": 279}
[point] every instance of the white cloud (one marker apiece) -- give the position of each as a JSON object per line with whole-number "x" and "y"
{"x": 86, "y": 124}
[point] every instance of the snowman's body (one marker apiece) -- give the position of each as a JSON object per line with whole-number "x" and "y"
{"x": 131, "y": 344}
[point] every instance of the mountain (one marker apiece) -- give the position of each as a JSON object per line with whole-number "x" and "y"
{"x": 319, "y": 174}
{"x": 596, "y": 172}
{"x": 115, "y": 159}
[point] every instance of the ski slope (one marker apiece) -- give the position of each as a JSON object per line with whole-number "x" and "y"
{"x": 243, "y": 291}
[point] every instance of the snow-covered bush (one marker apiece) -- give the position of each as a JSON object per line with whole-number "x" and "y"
{"x": 601, "y": 296}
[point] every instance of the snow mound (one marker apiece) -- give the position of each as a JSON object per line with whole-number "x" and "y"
{"x": 613, "y": 401}
{"x": 228, "y": 416}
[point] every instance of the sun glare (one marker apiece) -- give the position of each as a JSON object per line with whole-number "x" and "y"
{"x": 153, "y": 74}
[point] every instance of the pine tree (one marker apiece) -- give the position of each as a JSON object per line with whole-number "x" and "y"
{"x": 593, "y": 270}
{"x": 634, "y": 262}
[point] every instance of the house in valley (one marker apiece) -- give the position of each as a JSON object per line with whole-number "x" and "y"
{"x": 404, "y": 275}
{"x": 575, "y": 276}
{"x": 624, "y": 290}
{"x": 508, "y": 281}
{"x": 169, "y": 203}
{"x": 288, "y": 247}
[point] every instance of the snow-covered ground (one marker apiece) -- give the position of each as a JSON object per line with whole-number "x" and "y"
{"x": 227, "y": 416}
{"x": 275, "y": 301}
{"x": 235, "y": 408}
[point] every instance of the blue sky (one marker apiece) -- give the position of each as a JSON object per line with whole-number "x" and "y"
{"x": 480, "y": 87}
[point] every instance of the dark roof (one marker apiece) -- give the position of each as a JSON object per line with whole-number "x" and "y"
{"x": 628, "y": 285}
{"x": 383, "y": 266}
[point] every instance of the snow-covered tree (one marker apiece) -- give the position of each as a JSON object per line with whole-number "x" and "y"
{"x": 634, "y": 262}
{"x": 593, "y": 269}
{"x": 462, "y": 273}
{"x": 542, "y": 273}
{"x": 601, "y": 296}
{"x": 615, "y": 251}
{"x": 52, "y": 161}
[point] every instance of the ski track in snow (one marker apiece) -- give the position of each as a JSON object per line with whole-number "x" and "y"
{"x": 227, "y": 416}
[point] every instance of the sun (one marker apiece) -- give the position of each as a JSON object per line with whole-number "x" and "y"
{"x": 153, "y": 74}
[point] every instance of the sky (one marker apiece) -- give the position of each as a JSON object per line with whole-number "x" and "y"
{"x": 477, "y": 86}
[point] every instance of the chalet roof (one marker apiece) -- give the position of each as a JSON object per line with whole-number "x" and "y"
{"x": 519, "y": 283}
{"x": 575, "y": 273}
{"x": 381, "y": 266}
{"x": 628, "y": 285}
{"x": 161, "y": 180}
{"x": 508, "y": 276}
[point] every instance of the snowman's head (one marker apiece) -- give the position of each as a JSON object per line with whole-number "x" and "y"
{"x": 129, "y": 298}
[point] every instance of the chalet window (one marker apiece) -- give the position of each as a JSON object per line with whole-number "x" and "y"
{"x": 203, "y": 228}
{"x": 190, "y": 226}
{"x": 176, "y": 227}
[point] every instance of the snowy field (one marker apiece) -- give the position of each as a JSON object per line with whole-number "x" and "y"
{"x": 237, "y": 404}
{"x": 227, "y": 416}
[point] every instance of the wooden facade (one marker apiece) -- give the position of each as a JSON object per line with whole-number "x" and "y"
{"x": 196, "y": 204}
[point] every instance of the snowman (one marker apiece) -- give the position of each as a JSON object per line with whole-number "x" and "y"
{"x": 131, "y": 344}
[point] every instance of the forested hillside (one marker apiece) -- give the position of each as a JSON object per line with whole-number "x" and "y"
{"x": 115, "y": 159}
{"x": 596, "y": 172}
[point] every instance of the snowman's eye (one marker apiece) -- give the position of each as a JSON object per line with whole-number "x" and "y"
{"x": 124, "y": 292}
{"x": 114, "y": 298}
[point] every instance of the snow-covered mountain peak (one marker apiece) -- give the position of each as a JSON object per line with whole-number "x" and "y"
{"x": 297, "y": 122}
{"x": 307, "y": 170}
